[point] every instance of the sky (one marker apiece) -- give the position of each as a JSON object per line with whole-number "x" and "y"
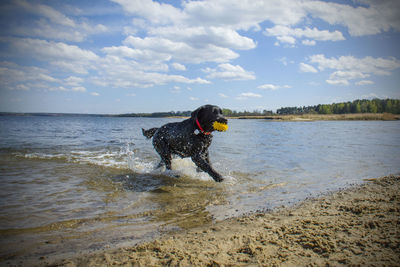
{"x": 124, "y": 56}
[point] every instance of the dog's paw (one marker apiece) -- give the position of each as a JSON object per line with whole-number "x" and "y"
{"x": 218, "y": 178}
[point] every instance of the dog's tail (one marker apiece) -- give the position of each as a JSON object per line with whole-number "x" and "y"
{"x": 149, "y": 133}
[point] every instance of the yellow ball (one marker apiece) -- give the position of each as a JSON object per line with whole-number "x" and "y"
{"x": 222, "y": 127}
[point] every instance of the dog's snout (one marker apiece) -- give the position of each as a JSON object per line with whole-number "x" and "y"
{"x": 222, "y": 119}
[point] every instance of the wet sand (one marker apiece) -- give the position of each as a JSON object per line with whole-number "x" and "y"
{"x": 356, "y": 226}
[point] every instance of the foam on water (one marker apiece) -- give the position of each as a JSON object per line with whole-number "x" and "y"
{"x": 105, "y": 159}
{"x": 181, "y": 167}
{"x": 128, "y": 158}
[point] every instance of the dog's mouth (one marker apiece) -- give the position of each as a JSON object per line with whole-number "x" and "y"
{"x": 220, "y": 126}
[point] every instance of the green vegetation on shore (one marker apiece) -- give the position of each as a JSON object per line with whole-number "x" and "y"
{"x": 357, "y": 106}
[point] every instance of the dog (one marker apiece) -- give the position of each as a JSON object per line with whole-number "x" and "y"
{"x": 189, "y": 138}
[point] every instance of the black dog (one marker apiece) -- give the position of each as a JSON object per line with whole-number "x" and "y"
{"x": 189, "y": 138}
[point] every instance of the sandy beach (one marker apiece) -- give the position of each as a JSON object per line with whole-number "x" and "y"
{"x": 327, "y": 117}
{"x": 356, "y": 226}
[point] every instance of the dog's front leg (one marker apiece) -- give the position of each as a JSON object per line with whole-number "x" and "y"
{"x": 202, "y": 163}
{"x": 206, "y": 157}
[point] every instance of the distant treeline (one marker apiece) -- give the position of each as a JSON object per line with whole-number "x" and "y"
{"x": 226, "y": 112}
{"x": 357, "y": 106}
{"x": 159, "y": 114}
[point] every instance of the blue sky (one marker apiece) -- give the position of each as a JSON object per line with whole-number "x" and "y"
{"x": 124, "y": 56}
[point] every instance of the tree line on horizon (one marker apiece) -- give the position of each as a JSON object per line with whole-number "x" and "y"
{"x": 356, "y": 106}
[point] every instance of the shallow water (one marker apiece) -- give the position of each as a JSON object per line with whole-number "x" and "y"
{"x": 77, "y": 184}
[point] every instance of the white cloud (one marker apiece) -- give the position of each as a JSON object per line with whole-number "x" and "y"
{"x": 351, "y": 68}
{"x": 348, "y": 75}
{"x": 309, "y": 42}
{"x": 272, "y": 87}
{"x": 16, "y": 77}
{"x": 157, "y": 13}
{"x": 204, "y": 31}
{"x": 181, "y": 51}
{"x": 145, "y": 59}
{"x": 373, "y": 18}
{"x": 94, "y": 94}
{"x": 143, "y": 55}
{"x": 227, "y": 71}
{"x": 79, "y": 89}
{"x": 203, "y": 36}
{"x": 378, "y": 66}
{"x": 44, "y": 21}
{"x": 338, "y": 82}
{"x": 285, "y": 34}
{"x": 117, "y": 72}
{"x": 372, "y": 96}
{"x": 73, "y": 81}
{"x": 69, "y": 57}
{"x": 44, "y": 29}
{"x": 244, "y": 96}
{"x": 307, "y": 68}
{"x": 47, "y": 12}
{"x": 243, "y": 14}
{"x": 222, "y": 95}
{"x": 364, "y": 82}
{"x": 178, "y": 66}
{"x": 193, "y": 98}
{"x": 370, "y": 18}
{"x": 285, "y": 61}
{"x": 286, "y": 39}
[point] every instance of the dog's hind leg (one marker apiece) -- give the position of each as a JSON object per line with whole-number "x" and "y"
{"x": 165, "y": 155}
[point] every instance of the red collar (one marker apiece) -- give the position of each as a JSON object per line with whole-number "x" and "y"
{"x": 201, "y": 129}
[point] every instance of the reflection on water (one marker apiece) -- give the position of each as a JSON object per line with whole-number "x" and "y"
{"x": 71, "y": 185}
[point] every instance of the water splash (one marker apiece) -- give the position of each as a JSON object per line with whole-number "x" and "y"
{"x": 127, "y": 156}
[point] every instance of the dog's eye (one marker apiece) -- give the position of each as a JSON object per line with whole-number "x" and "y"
{"x": 217, "y": 111}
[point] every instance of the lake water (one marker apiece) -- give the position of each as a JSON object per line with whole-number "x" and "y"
{"x": 79, "y": 184}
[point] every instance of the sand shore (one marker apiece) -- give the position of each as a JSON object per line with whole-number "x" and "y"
{"x": 357, "y": 226}
{"x": 327, "y": 117}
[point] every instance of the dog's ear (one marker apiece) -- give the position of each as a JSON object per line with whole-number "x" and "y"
{"x": 196, "y": 112}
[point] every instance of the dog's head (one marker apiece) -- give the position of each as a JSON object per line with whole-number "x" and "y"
{"x": 210, "y": 118}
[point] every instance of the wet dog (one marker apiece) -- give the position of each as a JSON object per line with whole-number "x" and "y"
{"x": 189, "y": 138}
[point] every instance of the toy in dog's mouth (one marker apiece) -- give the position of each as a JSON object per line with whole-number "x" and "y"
{"x": 219, "y": 126}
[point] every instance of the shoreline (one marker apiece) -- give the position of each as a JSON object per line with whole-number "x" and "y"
{"x": 355, "y": 226}
{"x": 327, "y": 117}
